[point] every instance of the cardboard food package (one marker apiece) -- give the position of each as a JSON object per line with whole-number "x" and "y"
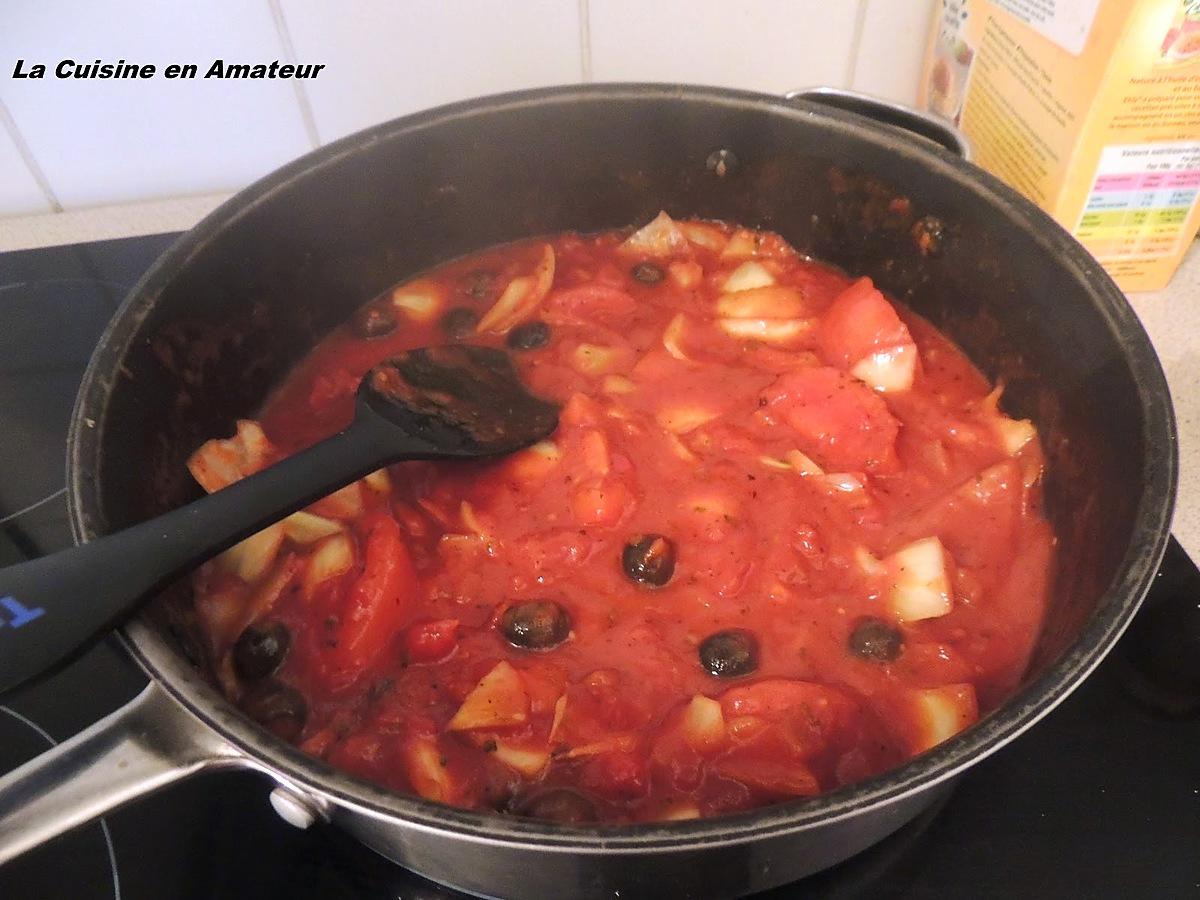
{"x": 1091, "y": 108}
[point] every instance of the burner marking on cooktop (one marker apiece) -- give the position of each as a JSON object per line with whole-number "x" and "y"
{"x": 32, "y": 506}
{"x": 16, "y": 285}
{"x": 108, "y": 841}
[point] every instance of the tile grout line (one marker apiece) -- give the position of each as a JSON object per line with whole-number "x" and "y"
{"x": 10, "y": 125}
{"x": 289, "y": 52}
{"x": 585, "y": 41}
{"x": 860, "y": 22}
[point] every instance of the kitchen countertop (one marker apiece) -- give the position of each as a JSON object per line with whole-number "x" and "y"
{"x": 1171, "y": 316}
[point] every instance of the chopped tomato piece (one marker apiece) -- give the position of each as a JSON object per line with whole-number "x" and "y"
{"x": 618, "y": 774}
{"x": 376, "y": 603}
{"x": 860, "y": 322}
{"x": 600, "y": 503}
{"x": 592, "y": 302}
{"x": 431, "y": 640}
{"x": 821, "y": 709}
{"x": 784, "y": 778}
{"x": 840, "y": 421}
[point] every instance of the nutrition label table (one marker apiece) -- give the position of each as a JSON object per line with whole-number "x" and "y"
{"x": 1140, "y": 200}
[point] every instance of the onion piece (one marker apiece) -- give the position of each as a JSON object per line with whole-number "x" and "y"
{"x": 334, "y": 557}
{"x": 710, "y": 237}
{"x": 673, "y": 333}
{"x": 704, "y": 724}
{"x": 772, "y": 463}
{"x": 937, "y": 714}
{"x": 498, "y": 700}
{"x": 560, "y": 710}
{"x": 421, "y": 299}
{"x": 251, "y": 558}
{"x": 867, "y": 562}
{"x": 920, "y": 581}
{"x": 1014, "y": 433}
{"x": 685, "y": 274}
{"x": 529, "y": 762}
{"x": 679, "y": 448}
{"x": 660, "y": 237}
{"x": 594, "y": 359}
{"x": 521, "y": 296}
{"x": 423, "y": 764}
{"x": 747, "y": 276}
{"x": 617, "y": 384}
{"x": 771, "y": 331}
{"x": 802, "y": 464}
{"x": 890, "y": 370}
{"x": 378, "y": 481}
{"x": 220, "y": 462}
{"x": 843, "y": 481}
{"x": 849, "y": 488}
{"x": 682, "y": 419}
{"x": 305, "y": 528}
{"x": 763, "y": 302}
{"x": 743, "y": 243}
{"x": 534, "y": 463}
{"x": 622, "y": 743}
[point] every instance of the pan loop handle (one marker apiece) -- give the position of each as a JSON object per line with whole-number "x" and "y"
{"x": 143, "y": 746}
{"x": 922, "y": 124}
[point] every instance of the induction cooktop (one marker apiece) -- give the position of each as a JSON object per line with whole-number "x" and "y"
{"x": 1101, "y": 799}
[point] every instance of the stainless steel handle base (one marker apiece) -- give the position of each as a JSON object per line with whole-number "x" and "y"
{"x": 922, "y": 124}
{"x": 143, "y": 746}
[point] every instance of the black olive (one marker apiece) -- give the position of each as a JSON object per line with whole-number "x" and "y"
{"x": 647, "y": 273}
{"x": 556, "y": 805}
{"x": 729, "y": 653}
{"x": 374, "y": 321}
{"x": 278, "y": 708}
{"x": 535, "y": 624}
{"x": 649, "y": 560}
{"x": 478, "y": 285}
{"x": 876, "y": 639}
{"x": 261, "y": 649}
{"x": 529, "y": 336}
{"x": 459, "y": 322}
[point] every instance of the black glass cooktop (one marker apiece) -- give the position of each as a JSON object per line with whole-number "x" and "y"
{"x": 1101, "y": 799}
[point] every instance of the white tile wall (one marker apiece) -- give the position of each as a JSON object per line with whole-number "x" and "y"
{"x": 766, "y": 45}
{"x": 113, "y": 141}
{"x": 892, "y": 47}
{"x": 100, "y": 141}
{"x": 389, "y": 58}
{"x": 19, "y": 192}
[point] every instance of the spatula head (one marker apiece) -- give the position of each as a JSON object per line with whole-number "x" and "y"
{"x": 460, "y": 399}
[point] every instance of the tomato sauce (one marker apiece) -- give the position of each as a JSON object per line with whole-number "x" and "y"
{"x": 782, "y": 540}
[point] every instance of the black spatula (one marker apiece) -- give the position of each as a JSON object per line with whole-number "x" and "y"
{"x": 441, "y": 403}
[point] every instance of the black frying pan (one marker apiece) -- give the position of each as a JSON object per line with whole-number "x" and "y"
{"x": 236, "y": 301}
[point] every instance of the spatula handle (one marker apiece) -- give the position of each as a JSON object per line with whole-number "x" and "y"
{"x": 53, "y": 607}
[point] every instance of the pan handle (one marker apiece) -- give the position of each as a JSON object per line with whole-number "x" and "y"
{"x": 143, "y": 746}
{"x": 922, "y": 124}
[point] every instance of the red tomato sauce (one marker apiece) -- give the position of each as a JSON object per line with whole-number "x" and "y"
{"x": 844, "y": 506}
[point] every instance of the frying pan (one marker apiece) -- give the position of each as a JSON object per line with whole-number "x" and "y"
{"x": 236, "y": 301}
